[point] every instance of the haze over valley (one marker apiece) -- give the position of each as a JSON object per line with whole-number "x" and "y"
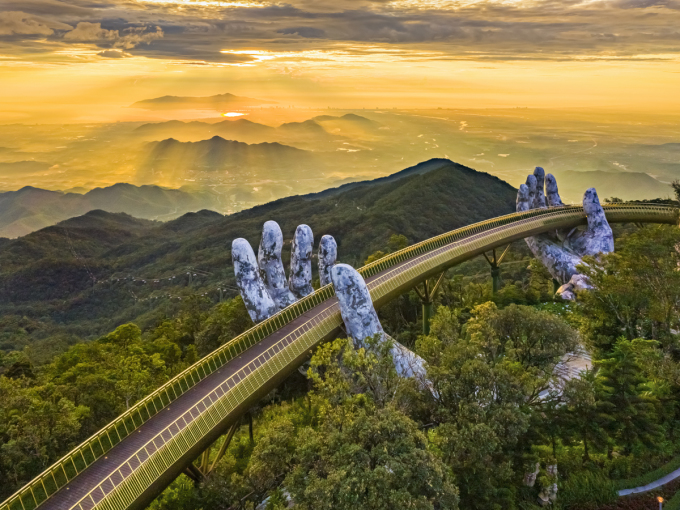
{"x": 264, "y": 153}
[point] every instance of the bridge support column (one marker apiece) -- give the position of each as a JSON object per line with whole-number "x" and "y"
{"x": 250, "y": 427}
{"x": 203, "y": 470}
{"x": 495, "y": 263}
{"x": 427, "y": 297}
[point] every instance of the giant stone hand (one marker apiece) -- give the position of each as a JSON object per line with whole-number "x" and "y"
{"x": 562, "y": 251}
{"x": 264, "y": 289}
{"x": 262, "y": 283}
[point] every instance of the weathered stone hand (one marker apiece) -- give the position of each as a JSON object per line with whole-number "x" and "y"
{"x": 263, "y": 286}
{"x": 561, "y": 252}
{"x": 262, "y": 283}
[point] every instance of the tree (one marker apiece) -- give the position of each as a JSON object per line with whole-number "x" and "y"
{"x": 532, "y": 337}
{"x": 346, "y": 378}
{"x": 397, "y": 242}
{"x": 379, "y": 460}
{"x": 479, "y": 398}
{"x": 356, "y": 449}
{"x": 37, "y": 425}
{"x": 586, "y": 416}
{"x": 636, "y": 290}
{"x": 226, "y": 321}
{"x": 625, "y": 388}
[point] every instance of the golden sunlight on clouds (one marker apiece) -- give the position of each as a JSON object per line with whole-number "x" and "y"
{"x": 202, "y": 3}
{"x": 93, "y": 62}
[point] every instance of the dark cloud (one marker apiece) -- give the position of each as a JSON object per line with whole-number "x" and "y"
{"x": 21, "y": 24}
{"x": 308, "y": 32}
{"x": 551, "y": 29}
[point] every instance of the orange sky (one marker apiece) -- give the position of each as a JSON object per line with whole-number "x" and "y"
{"x": 67, "y": 61}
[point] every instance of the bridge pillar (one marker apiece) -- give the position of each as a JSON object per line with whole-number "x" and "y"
{"x": 495, "y": 263}
{"x": 427, "y": 298}
{"x": 205, "y": 467}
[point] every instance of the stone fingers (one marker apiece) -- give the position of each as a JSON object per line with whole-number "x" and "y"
{"x": 361, "y": 321}
{"x": 551, "y": 193}
{"x": 300, "y": 278}
{"x": 271, "y": 267}
{"x": 328, "y": 254}
{"x": 532, "y": 187}
{"x": 356, "y": 306}
{"x": 539, "y": 198}
{"x": 259, "y": 303}
{"x": 523, "y": 198}
{"x": 598, "y": 237}
{"x": 598, "y": 226}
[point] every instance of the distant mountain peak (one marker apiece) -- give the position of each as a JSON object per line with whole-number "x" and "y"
{"x": 210, "y": 102}
{"x": 348, "y": 117}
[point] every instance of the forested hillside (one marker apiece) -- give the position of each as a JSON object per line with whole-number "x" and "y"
{"x": 85, "y": 276}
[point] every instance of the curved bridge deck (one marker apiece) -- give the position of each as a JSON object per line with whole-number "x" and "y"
{"x": 129, "y": 462}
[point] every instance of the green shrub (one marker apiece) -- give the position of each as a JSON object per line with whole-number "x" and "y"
{"x": 673, "y": 503}
{"x": 586, "y": 490}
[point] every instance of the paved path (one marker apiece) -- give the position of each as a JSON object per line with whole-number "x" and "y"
{"x": 657, "y": 483}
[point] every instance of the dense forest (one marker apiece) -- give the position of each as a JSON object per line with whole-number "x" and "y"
{"x": 500, "y": 427}
{"x": 350, "y": 433}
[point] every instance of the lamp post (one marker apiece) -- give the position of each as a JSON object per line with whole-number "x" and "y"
{"x": 660, "y": 500}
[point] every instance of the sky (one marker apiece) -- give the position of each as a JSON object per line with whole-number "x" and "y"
{"x": 88, "y": 60}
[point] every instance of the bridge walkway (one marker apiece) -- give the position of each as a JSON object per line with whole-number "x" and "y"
{"x": 114, "y": 467}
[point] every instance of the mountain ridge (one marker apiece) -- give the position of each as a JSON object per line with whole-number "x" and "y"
{"x": 29, "y": 208}
{"x": 216, "y": 101}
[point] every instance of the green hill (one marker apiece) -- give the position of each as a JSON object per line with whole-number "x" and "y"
{"x": 89, "y": 274}
{"x": 29, "y": 209}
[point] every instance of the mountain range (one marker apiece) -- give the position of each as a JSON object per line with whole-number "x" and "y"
{"x": 176, "y": 161}
{"x": 623, "y": 185}
{"x": 306, "y": 134}
{"x": 217, "y": 102}
{"x": 30, "y": 209}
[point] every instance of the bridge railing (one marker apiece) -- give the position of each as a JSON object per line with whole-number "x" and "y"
{"x": 553, "y": 213}
{"x": 70, "y": 465}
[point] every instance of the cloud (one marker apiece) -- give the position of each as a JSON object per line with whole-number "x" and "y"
{"x": 308, "y": 32}
{"x": 113, "y": 54}
{"x": 138, "y": 35}
{"x": 20, "y": 23}
{"x": 483, "y": 30}
{"x": 90, "y": 32}
{"x": 130, "y": 37}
